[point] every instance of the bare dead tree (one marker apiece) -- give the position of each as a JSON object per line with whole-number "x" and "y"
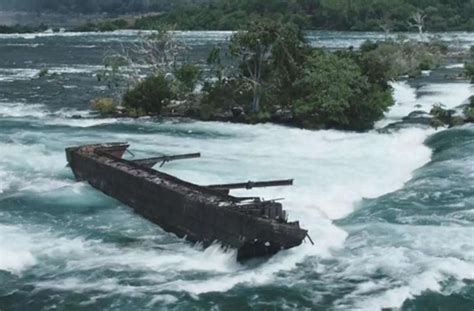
{"x": 160, "y": 50}
{"x": 155, "y": 52}
{"x": 417, "y": 20}
{"x": 386, "y": 24}
{"x": 254, "y": 54}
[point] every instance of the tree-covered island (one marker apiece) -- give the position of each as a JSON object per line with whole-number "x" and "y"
{"x": 267, "y": 73}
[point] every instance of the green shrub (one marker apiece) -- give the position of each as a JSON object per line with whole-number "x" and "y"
{"x": 105, "y": 106}
{"x": 43, "y": 73}
{"x": 188, "y": 75}
{"x": 150, "y": 95}
{"x": 22, "y": 29}
{"x": 86, "y": 27}
{"x": 469, "y": 71}
{"x": 260, "y": 117}
{"x": 469, "y": 110}
{"x": 441, "y": 114}
{"x": 384, "y": 61}
{"x": 334, "y": 93}
{"x": 469, "y": 113}
{"x": 104, "y": 26}
{"x": 222, "y": 95}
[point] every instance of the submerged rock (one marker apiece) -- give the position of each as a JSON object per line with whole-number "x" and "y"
{"x": 435, "y": 122}
{"x": 283, "y": 116}
{"x": 457, "y": 121}
{"x": 238, "y": 111}
{"x": 418, "y": 117}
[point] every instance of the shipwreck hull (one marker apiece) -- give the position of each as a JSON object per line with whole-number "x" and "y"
{"x": 190, "y": 211}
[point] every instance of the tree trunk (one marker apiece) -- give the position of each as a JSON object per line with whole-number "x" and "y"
{"x": 256, "y": 98}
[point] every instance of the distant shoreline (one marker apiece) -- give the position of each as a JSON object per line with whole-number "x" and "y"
{"x": 192, "y": 19}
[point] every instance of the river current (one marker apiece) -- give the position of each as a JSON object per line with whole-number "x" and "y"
{"x": 392, "y": 214}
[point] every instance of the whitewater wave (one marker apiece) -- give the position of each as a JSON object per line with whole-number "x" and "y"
{"x": 409, "y": 99}
{"x": 17, "y": 74}
{"x": 21, "y": 110}
{"x": 28, "y": 45}
{"x": 347, "y": 167}
{"x": 39, "y": 113}
{"x": 14, "y": 249}
{"x": 25, "y": 74}
{"x": 76, "y": 69}
{"x": 81, "y": 123}
{"x": 462, "y": 40}
{"x": 455, "y": 66}
{"x": 423, "y": 258}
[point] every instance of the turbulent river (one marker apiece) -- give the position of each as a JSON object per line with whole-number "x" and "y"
{"x": 391, "y": 214}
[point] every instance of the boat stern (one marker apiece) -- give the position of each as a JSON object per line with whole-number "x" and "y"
{"x": 283, "y": 236}
{"x": 73, "y": 154}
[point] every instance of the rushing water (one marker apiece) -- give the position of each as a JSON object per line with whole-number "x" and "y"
{"x": 391, "y": 214}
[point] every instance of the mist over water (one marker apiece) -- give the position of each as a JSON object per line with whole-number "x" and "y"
{"x": 391, "y": 214}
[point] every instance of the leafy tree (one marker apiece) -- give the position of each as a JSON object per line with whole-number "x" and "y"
{"x": 188, "y": 75}
{"x": 105, "y": 106}
{"x": 150, "y": 95}
{"x": 469, "y": 110}
{"x": 469, "y": 71}
{"x": 221, "y": 96}
{"x": 158, "y": 51}
{"x": 269, "y": 53}
{"x": 253, "y": 48}
{"x": 336, "y": 94}
{"x": 214, "y": 60}
{"x": 417, "y": 20}
{"x": 388, "y": 15}
{"x": 388, "y": 60}
{"x": 115, "y": 74}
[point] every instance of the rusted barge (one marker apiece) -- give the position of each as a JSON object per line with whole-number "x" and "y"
{"x": 198, "y": 213}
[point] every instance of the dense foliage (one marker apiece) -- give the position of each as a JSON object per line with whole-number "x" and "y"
{"x": 336, "y": 93}
{"x": 187, "y": 77}
{"x": 22, "y": 29}
{"x": 107, "y": 25}
{"x": 149, "y": 96}
{"x": 270, "y": 56}
{"x": 390, "y": 59}
{"x": 375, "y": 15}
{"x": 469, "y": 70}
{"x": 274, "y": 75}
{"x": 88, "y": 6}
{"x": 105, "y": 106}
{"x": 469, "y": 110}
{"x": 281, "y": 78}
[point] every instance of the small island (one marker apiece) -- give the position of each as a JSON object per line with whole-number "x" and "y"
{"x": 268, "y": 72}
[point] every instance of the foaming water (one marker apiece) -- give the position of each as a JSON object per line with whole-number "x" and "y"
{"x": 409, "y": 99}
{"x": 21, "y": 110}
{"x": 14, "y": 248}
{"x": 333, "y": 171}
{"x": 390, "y": 213}
{"x": 329, "y": 39}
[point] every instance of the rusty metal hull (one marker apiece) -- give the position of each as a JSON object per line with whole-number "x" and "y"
{"x": 190, "y": 211}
